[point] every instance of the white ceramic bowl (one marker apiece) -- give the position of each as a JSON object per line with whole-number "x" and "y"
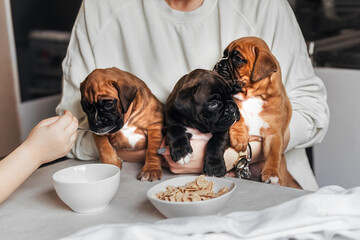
{"x": 198, "y": 208}
{"x": 87, "y": 188}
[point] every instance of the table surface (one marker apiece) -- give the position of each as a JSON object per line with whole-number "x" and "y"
{"x": 34, "y": 211}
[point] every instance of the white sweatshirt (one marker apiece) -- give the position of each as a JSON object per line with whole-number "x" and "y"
{"x": 160, "y": 45}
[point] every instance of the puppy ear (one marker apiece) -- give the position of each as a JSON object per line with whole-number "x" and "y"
{"x": 82, "y": 86}
{"x": 83, "y": 100}
{"x": 264, "y": 65}
{"x": 184, "y": 98}
{"x": 126, "y": 95}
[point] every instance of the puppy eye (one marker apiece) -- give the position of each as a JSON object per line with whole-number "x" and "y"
{"x": 238, "y": 60}
{"x": 109, "y": 105}
{"x": 243, "y": 84}
{"x": 213, "y": 104}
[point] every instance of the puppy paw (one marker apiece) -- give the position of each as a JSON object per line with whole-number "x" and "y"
{"x": 214, "y": 167}
{"x": 181, "y": 152}
{"x": 217, "y": 171}
{"x": 185, "y": 159}
{"x": 112, "y": 159}
{"x": 239, "y": 146}
{"x": 238, "y": 141}
{"x": 271, "y": 176}
{"x": 149, "y": 174}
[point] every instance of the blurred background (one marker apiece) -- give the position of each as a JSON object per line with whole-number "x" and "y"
{"x": 37, "y": 36}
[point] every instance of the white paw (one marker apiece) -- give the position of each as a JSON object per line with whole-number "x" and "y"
{"x": 185, "y": 159}
{"x": 274, "y": 180}
{"x": 144, "y": 179}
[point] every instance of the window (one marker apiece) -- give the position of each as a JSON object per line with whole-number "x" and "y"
{"x": 332, "y": 31}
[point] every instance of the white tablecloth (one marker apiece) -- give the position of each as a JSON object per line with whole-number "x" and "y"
{"x": 34, "y": 211}
{"x": 329, "y": 212}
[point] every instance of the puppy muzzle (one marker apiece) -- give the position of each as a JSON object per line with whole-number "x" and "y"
{"x": 230, "y": 115}
{"x": 232, "y": 111}
{"x": 103, "y": 125}
{"x": 222, "y": 68}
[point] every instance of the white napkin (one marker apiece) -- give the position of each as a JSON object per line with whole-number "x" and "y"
{"x": 331, "y": 211}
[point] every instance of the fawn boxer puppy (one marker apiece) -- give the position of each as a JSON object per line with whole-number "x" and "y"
{"x": 263, "y": 103}
{"x": 125, "y": 115}
{"x": 200, "y": 102}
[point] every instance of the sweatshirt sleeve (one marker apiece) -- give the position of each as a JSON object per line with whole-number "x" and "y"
{"x": 78, "y": 63}
{"x": 277, "y": 25}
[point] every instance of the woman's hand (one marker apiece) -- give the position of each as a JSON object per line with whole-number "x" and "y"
{"x": 230, "y": 156}
{"x": 197, "y": 161}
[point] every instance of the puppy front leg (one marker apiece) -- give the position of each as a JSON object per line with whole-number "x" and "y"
{"x": 179, "y": 144}
{"x": 239, "y": 137}
{"x": 151, "y": 170}
{"x": 272, "y": 148}
{"x": 214, "y": 164}
{"x": 107, "y": 153}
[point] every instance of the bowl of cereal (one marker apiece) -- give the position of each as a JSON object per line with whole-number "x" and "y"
{"x": 191, "y": 195}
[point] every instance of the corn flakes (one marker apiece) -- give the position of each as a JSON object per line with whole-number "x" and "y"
{"x": 198, "y": 190}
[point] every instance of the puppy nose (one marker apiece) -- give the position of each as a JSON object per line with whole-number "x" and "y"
{"x": 232, "y": 110}
{"x": 220, "y": 64}
{"x": 229, "y": 111}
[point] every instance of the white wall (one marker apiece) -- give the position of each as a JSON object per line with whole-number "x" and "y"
{"x": 337, "y": 158}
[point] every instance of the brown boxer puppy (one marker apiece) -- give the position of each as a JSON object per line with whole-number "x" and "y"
{"x": 263, "y": 103}
{"x": 125, "y": 115}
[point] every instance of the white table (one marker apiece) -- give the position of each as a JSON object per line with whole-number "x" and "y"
{"x": 34, "y": 211}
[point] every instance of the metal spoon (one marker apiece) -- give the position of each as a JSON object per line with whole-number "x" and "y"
{"x": 89, "y": 130}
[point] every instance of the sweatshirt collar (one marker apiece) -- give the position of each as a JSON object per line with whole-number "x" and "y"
{"x": 183, "y": 17}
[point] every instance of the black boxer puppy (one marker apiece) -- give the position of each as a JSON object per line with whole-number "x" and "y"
{"x": 200, "y": 100}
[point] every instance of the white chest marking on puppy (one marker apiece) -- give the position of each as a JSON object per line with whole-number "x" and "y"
{"x": 129, "y": 133}
{"x": 250, "y": 112}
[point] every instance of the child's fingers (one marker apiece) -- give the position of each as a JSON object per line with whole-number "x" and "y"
{"x": 48, "y": 121}
{"x": 64, "y": 120}
{"x": 72, "y": 127}
{"x": 231, "y": 173}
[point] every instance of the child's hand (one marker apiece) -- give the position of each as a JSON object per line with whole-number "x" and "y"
{"x": 52, "y": 138}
